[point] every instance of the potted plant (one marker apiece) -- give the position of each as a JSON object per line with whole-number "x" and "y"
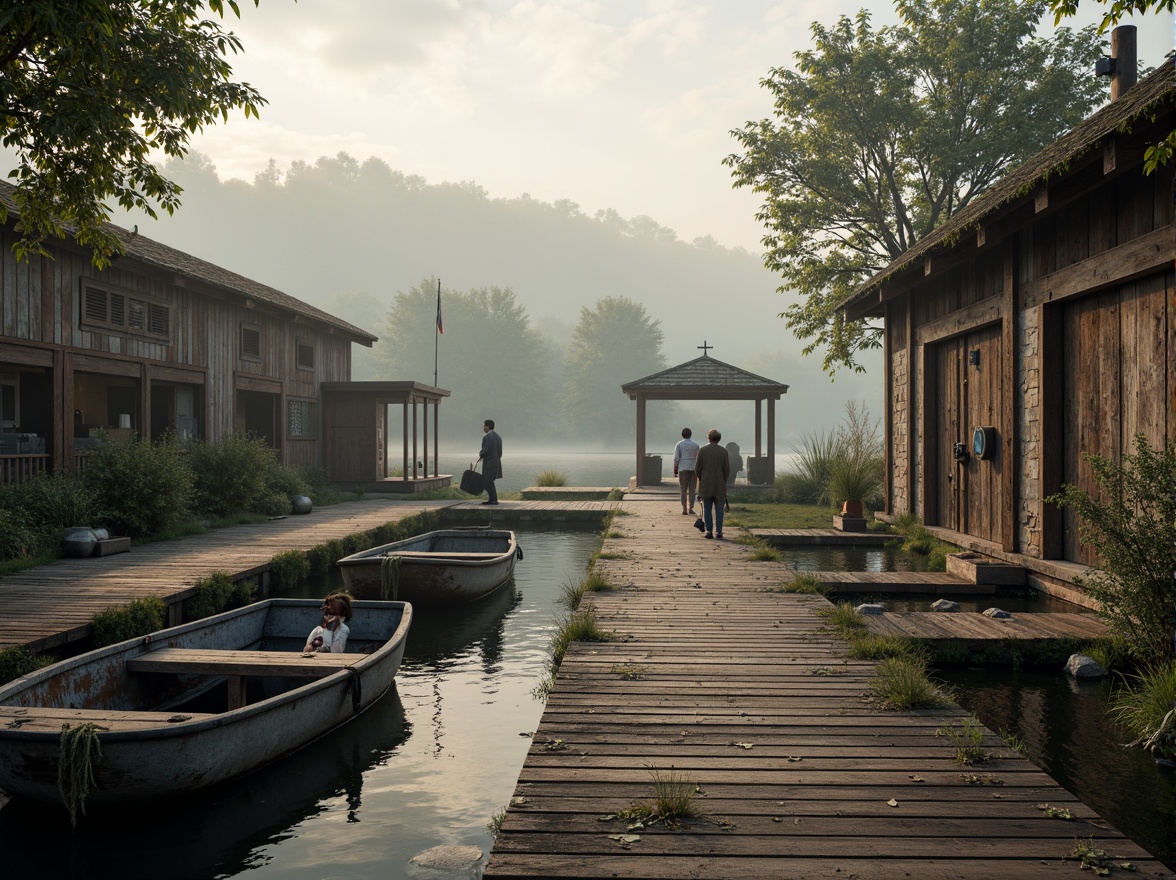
{"x": 852, "y": 482}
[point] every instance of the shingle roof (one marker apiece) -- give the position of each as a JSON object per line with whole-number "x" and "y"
{"x": 160, "y": 256}
{"x": 1152, "y": 91}
{"x": 704, "y": 373}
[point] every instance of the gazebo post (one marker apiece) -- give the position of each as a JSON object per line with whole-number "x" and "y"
{"x": 436, "y": 434}
{"x": 772, "y": 438}
{"x": 404, "y": 441}
{"x": 425, "y": 438}
{"x": 640, "y": 438}
{"x": 758, "y": 427}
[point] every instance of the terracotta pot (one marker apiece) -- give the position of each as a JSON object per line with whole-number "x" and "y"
{"x": 851, "y": 508}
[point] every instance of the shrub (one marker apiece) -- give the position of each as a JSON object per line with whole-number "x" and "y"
{"x": 231, "y": 473}
{"x": 551, "y": 478}
{"x": 1129, "y": 522}
{"x": 211, "y": 597}
{"x": 244, "y": 593}
{"x": 18, "y": 539}
{"x": 290, "y": 568}
{"x": 50, "y": 504}
{"x": 17, "y": 660}
{"x": 1146, "y": 706}
{"x": 140, "y": 617}
{"x": 142, "y": 487}
{"x": 807, "y": 481}
{"x": 271, "y": 504}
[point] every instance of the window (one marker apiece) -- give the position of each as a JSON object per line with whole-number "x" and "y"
{"x": 303, "y": 355}
{"x": 250, "y": 342}
{"x": 300, "y": 418}
{"x": 110, "y": 308}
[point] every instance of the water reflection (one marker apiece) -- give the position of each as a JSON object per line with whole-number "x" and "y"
{"x": 1067, "y": 733}
{"x": 428, "y": 764}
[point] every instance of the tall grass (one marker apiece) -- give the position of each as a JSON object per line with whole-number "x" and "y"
{"x": 551, "y": 477}
{"x": 843, "y": 465}
{"x": 1146, "y": 705}
{"x": 903, "y": 683}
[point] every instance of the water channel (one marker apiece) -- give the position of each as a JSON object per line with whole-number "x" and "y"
{"x": 429, "y": 764}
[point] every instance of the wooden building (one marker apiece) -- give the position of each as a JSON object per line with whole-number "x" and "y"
{"x": 1038, "y": 324}
{"x": 158, "y": 341}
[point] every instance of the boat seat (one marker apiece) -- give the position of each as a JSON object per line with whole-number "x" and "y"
{"x": 43, "y": 719}
{"x": 237, "y": 665}
{"x": 210, "y": 661}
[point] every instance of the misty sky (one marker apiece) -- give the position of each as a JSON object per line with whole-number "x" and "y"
{"x": 612, "y": 104}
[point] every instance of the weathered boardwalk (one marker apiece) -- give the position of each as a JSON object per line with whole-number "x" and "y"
{"x": 969, "y": 627}
{"x": 822, "y": 537}
{"x": 50, "y": 606}
{"x": 713, "y": 678}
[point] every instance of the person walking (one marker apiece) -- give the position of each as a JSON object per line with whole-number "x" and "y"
{"x": 712, "y": 467}
{"x": 491, "y": 458}
{"x": 684, "y": 453}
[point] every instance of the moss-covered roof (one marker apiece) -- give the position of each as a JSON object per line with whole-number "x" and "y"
{"x": 159, "y": 256}
{"x": 1145, "y": 97}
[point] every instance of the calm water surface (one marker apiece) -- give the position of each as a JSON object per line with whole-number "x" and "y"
{"x": 428, "y": 764}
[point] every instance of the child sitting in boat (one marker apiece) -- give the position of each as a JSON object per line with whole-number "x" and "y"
{"x": 331, "y": 635}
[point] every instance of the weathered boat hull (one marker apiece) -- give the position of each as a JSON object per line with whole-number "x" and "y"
{"x": 168, "y": 757}
{"x": 449, "y": 566}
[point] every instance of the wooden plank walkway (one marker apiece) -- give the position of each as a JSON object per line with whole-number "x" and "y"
{"x": 822, "y": 537}
{"x": 716, "y": 678}
{"x": 969, "y": 626}
{"x": 934, "y": 583}
{"x": 50, "y": 606}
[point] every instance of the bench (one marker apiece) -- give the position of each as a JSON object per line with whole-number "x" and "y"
{"x": 50, "y": 720}
{"x": 238, "y": 664}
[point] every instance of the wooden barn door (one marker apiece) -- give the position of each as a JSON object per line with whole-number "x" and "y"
{"x": 969, "y": 395}
{"x": 1115, "y": 351}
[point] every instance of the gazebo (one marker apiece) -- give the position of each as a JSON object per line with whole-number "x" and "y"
{"x": 706, "y": 378}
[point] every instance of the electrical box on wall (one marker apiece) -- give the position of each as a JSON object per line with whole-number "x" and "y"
{"x": 984, "y": 442}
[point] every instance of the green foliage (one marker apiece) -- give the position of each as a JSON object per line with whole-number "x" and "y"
{"x": 968, "y": 739}
{"x": 843, "y": 618}
{"x": 140, "y": 617}
{"x": 271, "y": 504}
{"x": 880, "y": 135}
{"x": 867, "y": 647}
{"x": 551, "y": 478}
{"x": 1129, "y": 521}
{"x": 579, "y": 626}
{"x": 916, "y": 539}
{"x": 764, "y": 552}
{"x": 807, "y": 482}
{"x": 18, "y": 539}
{"x": 614, "y": 342}
{"x": 50, "y": 504}
{"x": 232, "y": 473}
{"x": 495, "y": 823}
{"x": 142, "y": 487}
{"x": 80, "y": 752}
{"x": 1146, "y": 705}
{"x": 804, "y": 582}
{"x": 92, "y": 92}
{"x": 290, "y": 568}
{"x": 488, "y": 342}
{"x": 1115, "y": 9}
{"x": 17, "y": 660}
{"x": 212, "y": 596}
{"x": 902, "y": 683}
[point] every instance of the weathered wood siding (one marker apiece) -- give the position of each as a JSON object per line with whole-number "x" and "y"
{"x": 40, "y": 304}
{"x": 1073, "y": 360}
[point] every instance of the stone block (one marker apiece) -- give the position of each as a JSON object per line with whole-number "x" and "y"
{"x": 107, "y": 546}
{"x": 977, "y": 569}
{"x": 849, "y": 523}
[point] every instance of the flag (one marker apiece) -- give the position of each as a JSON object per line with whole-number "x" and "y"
{"x": 440, "y": 329}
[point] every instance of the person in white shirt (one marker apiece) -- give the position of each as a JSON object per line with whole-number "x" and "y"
{"x": 331, "y": 635}
{"x": 684, "y": 455}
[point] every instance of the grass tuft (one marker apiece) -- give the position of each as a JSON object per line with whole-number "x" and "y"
{"x": 902, "y": 683}
{"x": 868, "y": 647}
{"x": 1146, "y": 705}
{"x": 843, "y": 618}
{"x": 805, "y": 583}
{"x": 551, "y": 477}
{"x": 968, "y": 739}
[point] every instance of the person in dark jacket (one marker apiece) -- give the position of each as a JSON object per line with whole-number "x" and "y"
{"x": 713, "y": 467}
{"x": 491, "y": 457}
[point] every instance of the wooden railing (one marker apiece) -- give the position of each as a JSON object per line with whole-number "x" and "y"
{"x": 22, "y": 467}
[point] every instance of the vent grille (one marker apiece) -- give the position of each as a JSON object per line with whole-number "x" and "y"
{"x": 251, "y": 342}
{"x": 305, "y": 356}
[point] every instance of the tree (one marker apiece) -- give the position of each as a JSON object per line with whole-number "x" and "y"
{"x": 489, "y": 356}
{"x": 879, "y": 136}
{"x": 614, "y": 342}
{"x": 89, "y": 89}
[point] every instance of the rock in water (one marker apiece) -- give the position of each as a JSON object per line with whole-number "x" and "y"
{"x": 1081, "y": 666}
{"x": 448, "y": 858}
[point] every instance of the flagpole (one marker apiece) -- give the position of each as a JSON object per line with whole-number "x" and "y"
{"x": 437, "y": 333}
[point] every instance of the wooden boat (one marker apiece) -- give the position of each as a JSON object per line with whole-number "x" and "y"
{"x": 197, "y": 704}
{"x": 446, "y": 566}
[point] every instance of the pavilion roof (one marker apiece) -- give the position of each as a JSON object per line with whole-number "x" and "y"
{"x": 704, "y": 377}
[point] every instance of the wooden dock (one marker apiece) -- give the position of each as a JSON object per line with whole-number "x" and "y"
{"x": 48, "y": 607}
{"x": 972, "y": 628}
{"x": 823, "y": 538}
{"x": 714, "y": 678}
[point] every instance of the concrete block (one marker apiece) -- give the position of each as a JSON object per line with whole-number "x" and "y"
{"x": 977, "y": 569}
{"x": 849, "y": 523}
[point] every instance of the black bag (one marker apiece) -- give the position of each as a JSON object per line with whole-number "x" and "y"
{"x": 472, "y": 481}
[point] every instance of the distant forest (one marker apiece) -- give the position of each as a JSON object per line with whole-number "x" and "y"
{"x": 351, "y": 236}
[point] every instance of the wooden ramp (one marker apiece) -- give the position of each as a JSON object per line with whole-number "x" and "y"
{"x": 713, "y": 678}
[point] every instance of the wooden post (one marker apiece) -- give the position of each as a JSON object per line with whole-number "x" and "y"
{"x": 1008, "y": 411}
{"x": 436, "y": 434}
{"x": 425, "y": 437}
{"x": 404, "y": 441}
{"x": 415, "y": 453}
{"x": 758, "y": 429}
{"x": 640, "y": 440}
{"x": 772, "y": 438}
